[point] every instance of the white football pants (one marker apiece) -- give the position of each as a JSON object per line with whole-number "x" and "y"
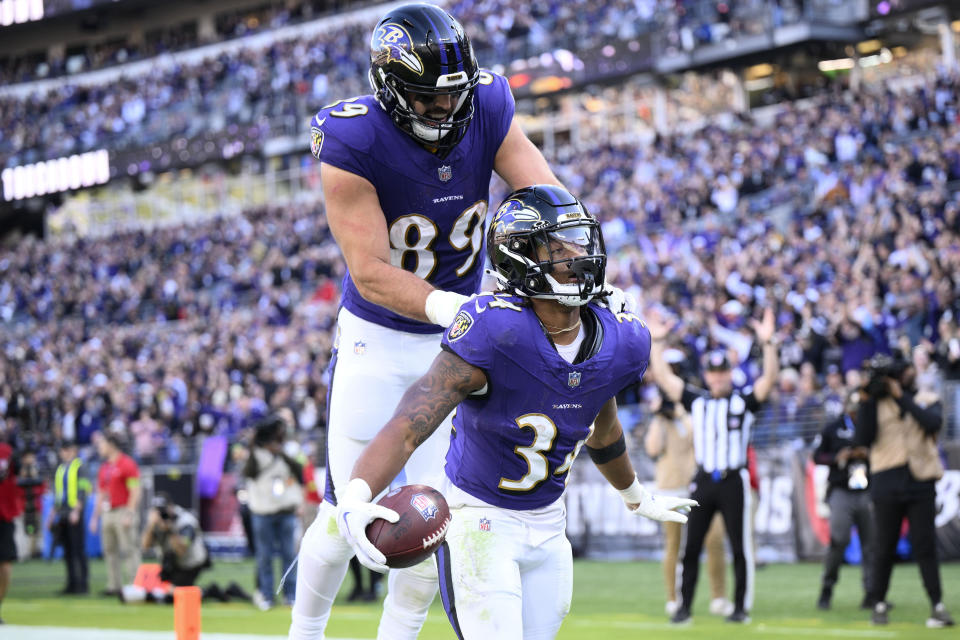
{"x": 374, "y": 366}
{"x": 502, "y": 579}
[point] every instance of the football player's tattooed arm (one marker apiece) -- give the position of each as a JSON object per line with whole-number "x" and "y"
{"x": 607, "y": 431}
{"x": 360, "y": 229}
{"x": 520, "y": 163}
{"x": 670, "y": 383}
{"x": 421, "y": 410}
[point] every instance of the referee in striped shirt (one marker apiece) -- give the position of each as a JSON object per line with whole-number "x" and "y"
{"x": 722, "y": 419}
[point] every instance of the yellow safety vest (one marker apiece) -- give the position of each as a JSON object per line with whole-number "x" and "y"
{"x": 71, "y": 470}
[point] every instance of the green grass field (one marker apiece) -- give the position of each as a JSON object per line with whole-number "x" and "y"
{"x": 610, "y": 601}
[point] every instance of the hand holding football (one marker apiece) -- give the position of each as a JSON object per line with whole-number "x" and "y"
{"x": 421, "y": 528}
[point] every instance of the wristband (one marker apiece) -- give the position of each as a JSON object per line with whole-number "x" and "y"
{"x": 357, "y": 490}
{"x": 634, "y": 493}
{"x": 441, "y": 307}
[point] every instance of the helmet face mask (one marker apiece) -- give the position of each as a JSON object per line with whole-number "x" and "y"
{"x": 420, "y": 51}
{"x": 544, "y": 244}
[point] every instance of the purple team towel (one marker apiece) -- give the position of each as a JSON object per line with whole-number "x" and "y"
{"x": 212, "y": 455}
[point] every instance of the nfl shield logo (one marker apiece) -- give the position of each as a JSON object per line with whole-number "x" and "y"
{"x": 445, "y": 172}
{"x": 424, "y": 505}
{"x": 573, "y": 380}
{"x": 484, "y": 524}
{"x": 359, "y": 347}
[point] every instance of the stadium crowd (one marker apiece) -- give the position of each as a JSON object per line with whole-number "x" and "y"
{"x": 273, "y": 86}
{"x": 500, "y": 29}
{"x": 189, "y": 330}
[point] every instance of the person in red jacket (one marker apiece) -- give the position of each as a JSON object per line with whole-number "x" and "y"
{"x": 118, "y": 502}
{"x": 11, "y": 504}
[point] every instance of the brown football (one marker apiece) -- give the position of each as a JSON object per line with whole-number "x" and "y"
{"x": 424, "y": 518}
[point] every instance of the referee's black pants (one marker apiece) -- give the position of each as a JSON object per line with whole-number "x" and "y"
{"x": 896, "y": 495}
{"x": 730, "y": 494}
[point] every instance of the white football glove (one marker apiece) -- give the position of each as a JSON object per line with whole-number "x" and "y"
{"x": 618, "y": 300}
{"x": 656, "y": 507}
{"x": 442, "y": 306}
{"x": 354, "y": 512}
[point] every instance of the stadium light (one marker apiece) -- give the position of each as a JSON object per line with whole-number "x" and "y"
{"x": 20, "y": 11}
{"x": 842, "y": 64}
{"x": 53, "y": 176}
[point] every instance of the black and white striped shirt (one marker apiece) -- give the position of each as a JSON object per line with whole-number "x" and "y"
{"x": 721, "y": 427}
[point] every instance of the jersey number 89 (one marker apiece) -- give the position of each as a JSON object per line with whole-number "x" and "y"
{"x": 414, "y": 235}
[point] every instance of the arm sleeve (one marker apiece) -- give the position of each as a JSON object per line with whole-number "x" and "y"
{"x": 930, "y": 418}
{"x": 467, "y": 336}
{"x": 340, "y": 142}
{"x": 133, "y": 473}
{"x": 83, "y": 485}
{"x": 251, "y": 469}
{"x": 824, "y": 454}
{"x": 499, "y": 107}
{"x": 296, "y": 469}
{"x": 690, "y": 393}
{"x": 750, "y": 398}
{"x": 866, "y": 423}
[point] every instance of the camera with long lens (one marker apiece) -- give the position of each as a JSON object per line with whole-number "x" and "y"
{"x": 878, "y": 369}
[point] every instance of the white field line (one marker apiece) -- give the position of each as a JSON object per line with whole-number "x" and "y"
{"x": 758, "y": 627}
{"x": 16, "y": 632}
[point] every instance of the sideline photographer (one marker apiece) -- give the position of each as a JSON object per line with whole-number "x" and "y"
{"x": 900, "y": 426}
{"x": 276, "y": 493}
{"x": 183, "y": 554}
{"x": 848, "y": 499}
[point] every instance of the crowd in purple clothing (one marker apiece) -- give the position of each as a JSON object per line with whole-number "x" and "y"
{"x": 500, "y": 28}
{"x": 275, "y": 88}
{"x": 30, "y": 65}
{"x": 843, "y": 214}
{"x": 185, "y": 331}
{"x": 838, "y": 213}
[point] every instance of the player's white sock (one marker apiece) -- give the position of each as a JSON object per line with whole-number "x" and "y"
{"x": 324, "y": 557}
{"x": 410, "y": 593}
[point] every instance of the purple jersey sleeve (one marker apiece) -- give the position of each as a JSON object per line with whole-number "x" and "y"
{"x": 493, "y": 93}
{"x": 467, "y": 335}
{"x": 636, "y": 337}
{"x": 340, "y": 141}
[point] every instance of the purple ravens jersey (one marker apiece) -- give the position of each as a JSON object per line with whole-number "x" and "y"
{"x": 435, "y": 207}
{"x": 513, "y": 446}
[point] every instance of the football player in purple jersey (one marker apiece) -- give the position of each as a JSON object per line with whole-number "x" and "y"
{"x": 532, "y": 372}
{"x": 405, "y": 174}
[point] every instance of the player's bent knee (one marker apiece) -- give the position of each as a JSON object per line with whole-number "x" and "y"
{"x": 409, "y": 596}
{"x": 414, "y": 588}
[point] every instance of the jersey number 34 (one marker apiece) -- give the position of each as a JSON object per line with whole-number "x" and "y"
{"x": 538, "y": 467}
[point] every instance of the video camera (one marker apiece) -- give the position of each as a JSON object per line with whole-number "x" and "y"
{"x": 880, "y": 367}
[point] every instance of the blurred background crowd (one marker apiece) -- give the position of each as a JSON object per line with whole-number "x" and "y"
{"x": 831, "y": 197}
